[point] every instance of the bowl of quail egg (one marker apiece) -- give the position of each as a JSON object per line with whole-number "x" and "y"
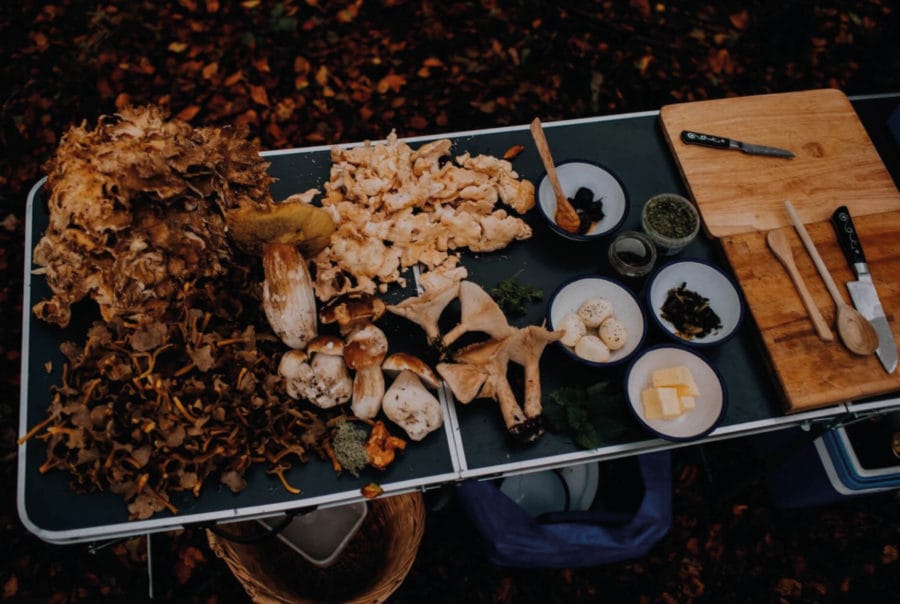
{"x": 601, "y": 320}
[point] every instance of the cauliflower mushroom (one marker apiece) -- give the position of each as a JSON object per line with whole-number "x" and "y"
{"x": 408, "y": 401}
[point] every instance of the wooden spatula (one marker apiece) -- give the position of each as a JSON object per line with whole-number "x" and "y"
{"x": 566, "y": 216}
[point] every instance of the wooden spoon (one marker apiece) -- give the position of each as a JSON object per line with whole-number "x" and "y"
{"x": 855, "y": 331}
{"x": 566, "y": 216}
{"x": 781, "y": 247}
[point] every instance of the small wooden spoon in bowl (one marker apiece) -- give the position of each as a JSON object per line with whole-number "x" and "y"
{"x": 566, "y": 216}
{"x": 855, "y": 331}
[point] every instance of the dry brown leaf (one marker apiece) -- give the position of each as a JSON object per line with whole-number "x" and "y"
{"x": 259, "y": 95}
{"x": 188, "y": 113}
{"x": 391, "y": 81}
{"x": 178, "y": 47}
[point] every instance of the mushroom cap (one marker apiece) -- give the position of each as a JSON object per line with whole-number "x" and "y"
{"x": 326, "y": 345}
{"x": 465, "y": 380}
{"x": 365, "y": 347}
{"x": 400, "y": 361}
{"x": 352, "y": 308}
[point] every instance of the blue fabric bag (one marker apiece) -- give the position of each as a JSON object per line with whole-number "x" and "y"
{"x": 571, "y": 539}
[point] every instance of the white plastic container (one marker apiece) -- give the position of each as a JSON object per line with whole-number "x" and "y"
{"x": 321, "y": 535}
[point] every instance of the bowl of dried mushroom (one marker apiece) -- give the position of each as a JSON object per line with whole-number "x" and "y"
{"x": 596, "y": 194}
{"x": 694, "y": 302}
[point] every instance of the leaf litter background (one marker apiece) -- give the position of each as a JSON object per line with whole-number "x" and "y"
{"x": 305, "y": 73}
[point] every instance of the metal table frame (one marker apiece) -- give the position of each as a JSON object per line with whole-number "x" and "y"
{"x": 462, "y": 462}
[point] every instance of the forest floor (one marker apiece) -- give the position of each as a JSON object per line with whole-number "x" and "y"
{"x": 302, "y": 73}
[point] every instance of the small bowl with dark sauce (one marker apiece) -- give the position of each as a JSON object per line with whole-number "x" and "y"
{"x": 596, "y": 193}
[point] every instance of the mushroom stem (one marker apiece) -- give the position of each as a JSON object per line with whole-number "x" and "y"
{"x": 288, "y": 297}
{"x": 368, "y": 392}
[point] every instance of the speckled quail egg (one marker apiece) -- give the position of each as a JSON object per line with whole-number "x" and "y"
{"x": 573, "y": 329}
{"x": 595, "y": 311}
{"x": 613, "y": 333}
{"x": 592, "y": 348}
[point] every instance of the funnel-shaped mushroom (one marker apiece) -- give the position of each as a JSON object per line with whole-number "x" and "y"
{"x": 425, "y": 310}
{"x": 525, "y": 347}
{"x": 479, "y": 312}
{"x": 491, "y": 358}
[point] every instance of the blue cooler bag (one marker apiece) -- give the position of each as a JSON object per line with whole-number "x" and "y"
{"x": 571, "y": 539}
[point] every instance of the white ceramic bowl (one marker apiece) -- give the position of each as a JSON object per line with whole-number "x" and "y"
{"x": 569, "y": 296}
{"x": 710, "y": 404}
{"x": 537, "y": 492}
{"x": 705, "y": 279}
{"x": 604, "y": 184}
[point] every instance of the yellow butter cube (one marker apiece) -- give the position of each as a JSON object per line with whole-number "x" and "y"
{"x": 652, "y": 404}
{"x": 679, "y": 377}
{"x": 687, "y": 402}
{"x": 668, "y": 399}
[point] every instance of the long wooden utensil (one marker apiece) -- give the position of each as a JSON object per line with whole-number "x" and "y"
{"x": 855, "y": 331}
{"x": 781, "y": 247}
{"x": 566, "y": 216}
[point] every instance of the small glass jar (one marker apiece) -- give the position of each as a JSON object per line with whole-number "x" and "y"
{"x": 670, "y": 221}
{"x": 632, "y": 254}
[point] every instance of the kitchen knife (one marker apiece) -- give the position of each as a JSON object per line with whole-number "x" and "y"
{"x": 708, "y": 140}
{"x": 862, "y": 291}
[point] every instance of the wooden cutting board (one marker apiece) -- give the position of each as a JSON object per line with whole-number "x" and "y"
{"x": 835, "y": 164}
{"x": 813, "y": 373}
{"x": 741, "y": 196}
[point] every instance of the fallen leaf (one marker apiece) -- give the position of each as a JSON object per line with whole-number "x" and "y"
{"x": 10, "y": 587}
{"x": 740, "y": 20}
{"x": 259, "y": 95}
{"x": 188, "y": 560}
{"x": 177, "y": 46}
{"x": 391, "y": 81}
{"x": 513, "y": 152}
{"x": 188, "y": 113}
{"x": 371, "y": 490}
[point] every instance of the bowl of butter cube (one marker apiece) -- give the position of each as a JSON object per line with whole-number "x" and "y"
{"x": 675, "y": 393}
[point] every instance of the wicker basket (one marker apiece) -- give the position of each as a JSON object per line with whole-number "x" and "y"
{"x": 369, "y": 569}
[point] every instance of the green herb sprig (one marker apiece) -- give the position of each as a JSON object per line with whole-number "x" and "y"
{"x": 592, "y": 415}
{"x": 514, "y": 297}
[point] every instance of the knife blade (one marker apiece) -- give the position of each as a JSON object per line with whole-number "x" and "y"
{"x": 690, "y": 137}
{"x": 862, "y": 291}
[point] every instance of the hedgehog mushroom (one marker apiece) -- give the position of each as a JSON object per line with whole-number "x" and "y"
{"x": 479, "y": 312}
{"x": 408, "y": 401}
{"x": 364, "y": 351}
{"x": 525, "y": 347}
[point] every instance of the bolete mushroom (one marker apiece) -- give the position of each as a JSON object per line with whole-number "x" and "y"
{"x": 282, "y": 233}
{"x": 324, "y": 381}
{"x": 408, "y": 402}
{"x": 364, "y": 350}
{"x": 479, "y": 312}
{"x": 352, "y": 310}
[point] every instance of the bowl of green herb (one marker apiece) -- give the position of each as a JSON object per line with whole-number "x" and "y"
{"x": 670, "y": 221}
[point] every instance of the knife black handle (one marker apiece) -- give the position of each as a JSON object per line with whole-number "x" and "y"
{"x": 698, "y": 138}
{"x": 847, "y": 237}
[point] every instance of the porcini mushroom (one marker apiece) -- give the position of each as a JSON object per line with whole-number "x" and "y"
{"x": 318, "y": 375}
{"x": 479, "y": 312}
{"x": 364, "y": 350}
{"x": 287, "y": 296}
{"x": 352, "y": 310}
{"x": 282, "y": 233}
{"x": 408, "y": 402}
